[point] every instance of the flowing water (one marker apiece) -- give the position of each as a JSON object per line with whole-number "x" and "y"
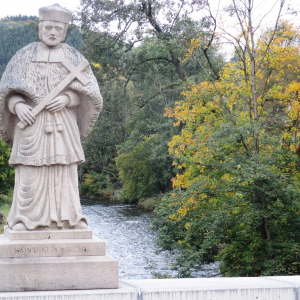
{"x": 130, "y": 240}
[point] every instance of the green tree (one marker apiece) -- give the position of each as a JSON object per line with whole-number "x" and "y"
{"x": 141, "y": 71}
{"x": 236, "y": 197}
{"x": 144, "y": 170}
{"x": 139, "y": 20}
{"x": 6, "y": 171}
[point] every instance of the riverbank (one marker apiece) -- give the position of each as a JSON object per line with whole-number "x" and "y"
{"x": 126, "y": 230}
{"x": 146, "y": 204}
{"x": 149, "y": 204}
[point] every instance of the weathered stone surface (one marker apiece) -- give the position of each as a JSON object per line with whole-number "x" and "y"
{"x": 49, "y": 101}
{"x": 58, "y": 273}
{"x": 55, "y": 13}
{"x": 48, "y": 234}
{"x": 55, "y": 264}
{"x": 124, "y": 292}
{"x": 51, "y": 248}
{"x": 237, "y": 288}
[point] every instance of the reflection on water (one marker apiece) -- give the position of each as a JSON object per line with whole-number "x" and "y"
{"x": 129, "y": 239}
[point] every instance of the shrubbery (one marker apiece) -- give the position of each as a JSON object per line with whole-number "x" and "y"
{"x": 96, "y": 185}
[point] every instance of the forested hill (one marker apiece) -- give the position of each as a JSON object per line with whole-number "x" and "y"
{"x": 18, "y": 31}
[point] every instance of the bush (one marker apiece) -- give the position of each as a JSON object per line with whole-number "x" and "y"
{"x": 96, "y": 185}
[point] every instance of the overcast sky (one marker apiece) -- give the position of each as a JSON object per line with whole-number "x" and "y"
{"x": 31, "y": 7}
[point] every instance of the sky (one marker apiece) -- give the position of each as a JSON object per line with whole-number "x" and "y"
{"x": 31, "y": 7}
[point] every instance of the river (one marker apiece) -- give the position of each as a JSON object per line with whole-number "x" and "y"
{"x": 126, "y": 230}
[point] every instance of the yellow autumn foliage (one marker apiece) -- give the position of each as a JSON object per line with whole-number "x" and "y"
{"x": 208, "y": 106}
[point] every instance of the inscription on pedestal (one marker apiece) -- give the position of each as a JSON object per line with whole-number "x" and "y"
{"x": 52, "y": 249}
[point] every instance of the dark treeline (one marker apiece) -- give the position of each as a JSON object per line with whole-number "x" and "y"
{"x": 20, "y": 18}
{"x": 15, "y": 33}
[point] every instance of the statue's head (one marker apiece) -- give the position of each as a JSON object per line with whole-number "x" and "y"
{"x": 53, "y": 24}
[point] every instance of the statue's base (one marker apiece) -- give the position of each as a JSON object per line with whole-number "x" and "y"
{"x": 36, "y": 264}
{"x": 48, "y": 234}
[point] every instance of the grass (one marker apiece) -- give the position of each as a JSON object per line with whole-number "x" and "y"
{"x": 5, "y": 203}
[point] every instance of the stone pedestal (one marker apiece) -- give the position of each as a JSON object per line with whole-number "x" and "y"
{"x": 55, "y": 260}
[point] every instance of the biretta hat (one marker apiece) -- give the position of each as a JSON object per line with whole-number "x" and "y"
{"x": 55, "y": 13}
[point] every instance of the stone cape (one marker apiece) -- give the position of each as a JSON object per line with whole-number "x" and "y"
{"x": 46, "y": 185}
{"x": 25, "y": 76}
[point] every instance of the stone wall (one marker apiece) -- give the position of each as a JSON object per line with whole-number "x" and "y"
{"x": 258, "y": 288}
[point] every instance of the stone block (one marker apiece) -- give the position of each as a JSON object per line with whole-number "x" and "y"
{"x": 237, "y": 288}
{"x": 48, "y": 234}
{"x": 54, "y": 248}
{"x": 58, "y": 273}
{"x": 29, "y": 261}
{"x": 124, "y": 292}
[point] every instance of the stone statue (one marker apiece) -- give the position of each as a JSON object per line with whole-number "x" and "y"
{"x": 49, "y": 100}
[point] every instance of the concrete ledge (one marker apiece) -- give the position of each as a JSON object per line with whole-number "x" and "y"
{"x": 248, "y": 288}
{"x": 124, "y": 292}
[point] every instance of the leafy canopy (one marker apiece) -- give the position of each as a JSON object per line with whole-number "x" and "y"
{"x": 236, "y": 192}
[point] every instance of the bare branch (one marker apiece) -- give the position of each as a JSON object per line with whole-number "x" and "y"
{"x": 242, "y": 27}
{"x": 233, "y": 37}
{"x": 159, "y": 92}
{"x": 177, "y": 15}
{"x": 205, "y": 49}
{"x": 127, "y": 25}
{"x": 273, "y": 34}
{"x": 265, "y": 16}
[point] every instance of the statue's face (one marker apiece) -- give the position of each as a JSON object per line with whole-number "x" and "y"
{"x": 52, "y": 33}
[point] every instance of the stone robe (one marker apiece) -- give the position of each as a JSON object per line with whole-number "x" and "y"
{"x": 46, "y": 183}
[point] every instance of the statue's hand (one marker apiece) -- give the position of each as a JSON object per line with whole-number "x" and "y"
{"x": 58, "y": 103}
{"x": 24, "y": 113}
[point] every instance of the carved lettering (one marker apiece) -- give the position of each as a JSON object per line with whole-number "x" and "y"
{"x": 52, "y": 249}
